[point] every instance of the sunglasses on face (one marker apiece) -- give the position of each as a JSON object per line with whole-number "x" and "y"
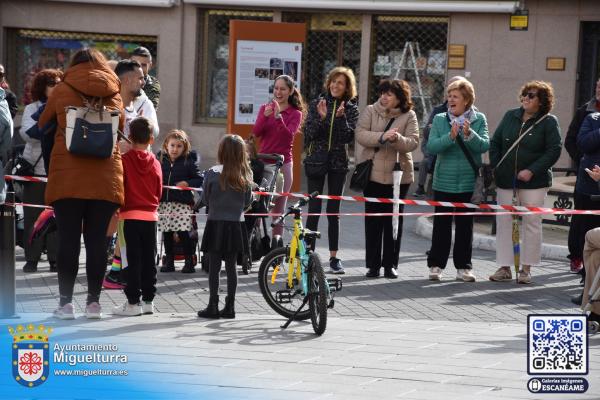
{"x": 530, "y": 95}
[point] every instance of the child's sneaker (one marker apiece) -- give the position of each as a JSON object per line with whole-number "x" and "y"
{"x": 148, "y": 307}
{"x": 128, "y": 310}
{"x": 93, "y": 311}
{"x": 64, "y": 312}
{"x": 112, "y": 280}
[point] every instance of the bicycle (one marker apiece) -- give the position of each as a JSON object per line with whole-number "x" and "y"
{"x": 292, "y": 276}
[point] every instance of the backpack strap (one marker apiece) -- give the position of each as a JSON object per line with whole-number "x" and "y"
{"x": 96, "y": 103}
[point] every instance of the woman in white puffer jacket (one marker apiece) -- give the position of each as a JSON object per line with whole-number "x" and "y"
{"x": 33, "y": 193}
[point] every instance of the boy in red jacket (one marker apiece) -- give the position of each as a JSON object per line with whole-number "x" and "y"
{"x": 142, "y": 176}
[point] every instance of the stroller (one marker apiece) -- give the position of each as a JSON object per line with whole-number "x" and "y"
{"x": 178, "y": 250}
{"x": 269, "y": 180}
{"x": 17, "y": 188}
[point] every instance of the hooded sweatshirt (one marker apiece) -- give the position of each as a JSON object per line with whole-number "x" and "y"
{"x": 80, "y": 177}
{"x": 143, "y": 185}
{"x": 141, "y": 107}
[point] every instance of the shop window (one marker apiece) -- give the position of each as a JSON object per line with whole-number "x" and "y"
{"x": 213, "y": 61}
{"x": 413, "y": 49}
{"x": 33, "y": 50}
{"x": 332, "y": 40}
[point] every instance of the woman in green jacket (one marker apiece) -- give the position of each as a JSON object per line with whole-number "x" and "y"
{"x": 454, "y": 178}
{"x": 525, "y": 171}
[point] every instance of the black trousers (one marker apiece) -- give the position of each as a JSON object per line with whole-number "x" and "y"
{"x": 441, "y": 239}
{"x": 33, "y": 193}
{"x": 336, "y": 180}
{"x": 575, "y": 248}
{"x": 214, "y": 272}
{"x": 381, "y": 248}
{"x": 74, "y": 216}
{"x": 186, "y": 242}
{"x": 140, "y": 247}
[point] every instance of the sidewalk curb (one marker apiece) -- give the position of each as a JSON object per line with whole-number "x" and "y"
{"x": 424, "y": 228}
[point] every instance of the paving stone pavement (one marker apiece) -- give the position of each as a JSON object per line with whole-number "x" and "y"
{"x": 411, "y": 296}
{"x": 405, "y": 338}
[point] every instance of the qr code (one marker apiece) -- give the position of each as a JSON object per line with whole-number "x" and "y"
{"x": 557, "y": 344}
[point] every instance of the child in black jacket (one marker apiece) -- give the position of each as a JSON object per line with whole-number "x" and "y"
{"x": 179, "y": 169}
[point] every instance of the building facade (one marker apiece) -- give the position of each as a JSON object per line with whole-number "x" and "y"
{"x": 424, "y": 42}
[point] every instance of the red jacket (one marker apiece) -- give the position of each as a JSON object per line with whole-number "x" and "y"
{"x": 143, "y": 185}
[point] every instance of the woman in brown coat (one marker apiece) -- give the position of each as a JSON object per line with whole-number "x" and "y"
{"x": 84, "y": 191}
{"x": 386, "y": 129}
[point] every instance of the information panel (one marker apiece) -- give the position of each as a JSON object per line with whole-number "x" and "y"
{"x": 258, "y": 64}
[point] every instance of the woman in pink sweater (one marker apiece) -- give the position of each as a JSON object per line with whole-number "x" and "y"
{"x": 276, "y": 125}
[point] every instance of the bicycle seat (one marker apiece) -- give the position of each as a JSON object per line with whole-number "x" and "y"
{"x": 308, "y": 234}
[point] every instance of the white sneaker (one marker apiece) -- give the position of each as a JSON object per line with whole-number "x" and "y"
{"x": 148, "y": 307}
{"x": 128, "y": 310}
{"x": 93, "y": 311}
{"x": 465, "y": 275}
{"x": 435, "y": 273}
{"x": 64, "y": 312}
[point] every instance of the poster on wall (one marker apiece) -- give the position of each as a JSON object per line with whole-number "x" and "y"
{"x": 258, "y": 64}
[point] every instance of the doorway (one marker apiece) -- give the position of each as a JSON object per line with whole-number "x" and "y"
{"x": 589, "y": 61}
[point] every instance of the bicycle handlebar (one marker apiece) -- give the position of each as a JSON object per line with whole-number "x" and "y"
{"x": 301, "y": 203}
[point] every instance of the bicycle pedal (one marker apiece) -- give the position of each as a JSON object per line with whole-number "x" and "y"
{"x": 335, "y": 284}
{"x": 283, "y": 296}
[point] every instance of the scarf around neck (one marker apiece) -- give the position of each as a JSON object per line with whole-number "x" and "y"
{"x": 466, "y": 116}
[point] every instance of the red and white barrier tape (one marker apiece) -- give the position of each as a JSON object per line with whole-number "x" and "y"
{"x": 402, "y": 214}
{"x": 362, "y": 199}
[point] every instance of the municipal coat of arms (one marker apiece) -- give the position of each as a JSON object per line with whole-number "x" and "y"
{"x": 30, "y": 354}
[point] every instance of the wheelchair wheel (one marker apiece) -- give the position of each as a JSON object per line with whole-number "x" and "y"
{"x": 272, "y": 279}
{"x": 318, "y": 295}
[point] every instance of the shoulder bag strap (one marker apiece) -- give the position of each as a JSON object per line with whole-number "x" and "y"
{"x": 468, "y": 155}
{"x": 38, "y": 160}
{"x": 516, "y": 142}
{"x": 389, "y": 124}
{"x": 331, "y": 123}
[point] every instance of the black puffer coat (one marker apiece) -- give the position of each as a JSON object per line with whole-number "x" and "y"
{"x": 183, "y": 169}
{"x": 316, "y": 130}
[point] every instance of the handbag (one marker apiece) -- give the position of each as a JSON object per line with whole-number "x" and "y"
{"x": 362, "y": 172}
{"x": 91, "y": 130}
{"x": 316, "y": 163}
{"x": 22, "y": 167}
{"x": 483, "y": 174}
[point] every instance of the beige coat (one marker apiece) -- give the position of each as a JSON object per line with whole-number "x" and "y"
{"x": 371, "y": 123}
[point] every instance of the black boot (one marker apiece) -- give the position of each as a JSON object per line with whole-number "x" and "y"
{"x": 169, "y": 264}
{"x": 212, "y": 310}
{"x": 229, "y": 310}
{"x": 188, "y": 267}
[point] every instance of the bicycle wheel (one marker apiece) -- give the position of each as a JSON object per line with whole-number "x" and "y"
{"x": 272, "y": 279}
{"x": 317, "y": 299}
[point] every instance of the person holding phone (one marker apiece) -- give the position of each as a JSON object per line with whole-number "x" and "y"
{"x": 277, "y": 123}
